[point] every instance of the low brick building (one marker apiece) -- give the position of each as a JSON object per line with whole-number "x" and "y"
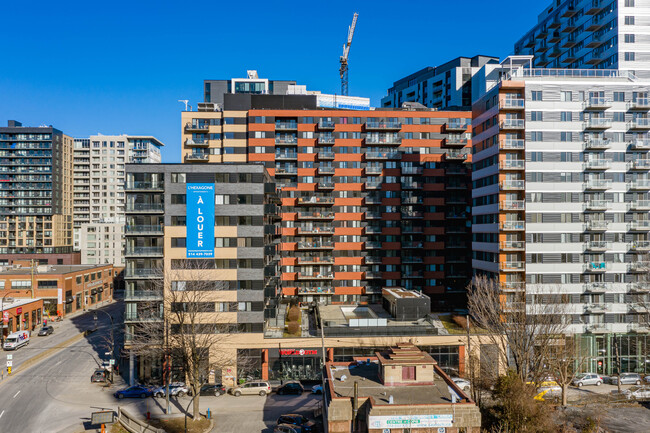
{"x": 64, "y": 289}
{"x": 401, "y": 390}
{"x": 20, "y": 314}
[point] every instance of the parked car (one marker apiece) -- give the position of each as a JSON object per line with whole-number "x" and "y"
{"x": 637, "y": 393}
{"x": 587, "y": 379}
{"x": 291, "y": 388}
{"x": 175, "y": 389}
{"x": 251, "y": 388}
{"x": 317, "y": 389}
{"x": 45, "y": 330}
{"x": 99, "y": 375}
{"x": 106, "y": 365}
{"x": 627, "y": 379}
{"x": 287, "y": 428}
{"x": 298, "y": 420}
{"x": 134, "y": 391}
{"x": 16, "y": 340}
{"x": 463, "y": 384}
{"x": 213, "y": 390}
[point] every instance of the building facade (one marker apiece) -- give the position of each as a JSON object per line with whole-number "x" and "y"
{"x": 20, "y": 314}
{"x": 587, "y": 34}
{"x": 35, "y": 191}
{"x": 364, "y": 194}
{"x": 99, "y": 176}
{"x": 560, "y": 201}
{"x": 441, "y": 87}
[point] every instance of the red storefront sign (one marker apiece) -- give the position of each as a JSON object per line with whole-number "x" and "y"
{"x": 19, "y": 310}
{"x": 299, "y": 352}
{"x": 5, "y": 316}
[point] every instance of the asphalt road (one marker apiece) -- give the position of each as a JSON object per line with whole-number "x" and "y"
{"x": 56, "y": 393}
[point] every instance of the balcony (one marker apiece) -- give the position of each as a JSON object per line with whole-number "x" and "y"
{"x": 144, "y": 207}
{"x": 374, "y": 170}
{"x": 316, "y": 290}
{"x": 639, "y": 267}
{"x": 640, "y": 144}
{"x": 640, "y": 205}
{"x": 512, "y": 104}
{"x": 286, "y": 126}
{"x": 512, "y": 185}
{"x": 641, "y": 164}
{"x": 456, "y": 155}
{"x": 509, "y": 266}
{"x": 197, "y": 157}
{"x": 640, "y": 185}
{"x": 373, "y": 245}
{"x": 597, "y": 164}
{"x": 595, "y": 308}
{"x": 596, "y": 267}
{"x": 145, "y": 229}
{"x": 456, "y": 141}
{"x": 286, "y": 171}
{"x": 303, "y": 215}
{"x": 513, "y": 246}
{"x": 597, "y": 123}
{"x": 382, "y": 125}
{"x": 598, "y": 328}
{"x": 372, "y": 185}
{"x": 597, "y": 287}
{"x": 384, "y": 139}
{"x": 315, "y": 200}
{"x": 512, "y": 226}
{"x": 412, "y": 215}
{"x": 373, "y": 215}
{"x": 372, "y": 200}
{"x": 197, "y": 142}
{"x": 316, "y": 245}
{"x": 144, "y": 251}
{"x": 512, "y": 124}
{"x": 411, "y": 245}
{"x": 372, "y": 260}
{"x": 325, "y": 185}
{"x": 640, "y": 328}
{"x": 325, "y": 124}
{"x": 285, "y": 155}
{"x": 640, "y": 246}
{"x": 512, "y": 164}
{"x": 286, "y": 140}
{"x": 313, "y": 276}
{"x": 143, "y": 295}
{"x": 515, "y": 205}
{"x": 596, "y": 225}
{"x": 372, "y": 275}
{"x": 197, "y": 127}
{"x": 325, "y": 170}
{"x": 597, "y": 184}
{"x": 457, "y": 125}
{"x": 315, "y": 260}
{"x": 597, "y": 144}
{"x": 383, "y": 155}
{"x": 325, "y": 155}
{"x": 512, "y": 144}
{"x": 326, "y": 139}
{"x": 640, "y": 225}
{"x": 597, "y": 104}
{"x": 142, "y": 273}
{"x": 316, "y": 231}
{"x": 133, "y": 316}
{"x": 143, "y": 186}
{"x": 638, "y": 287}
{"x": 597, "y": 246}
{"x": 640, "y": 123}
{"x": 596, "y": 6}
{"x": 639, "y": 104}
{"x": 597, "y": 205}
{"x": 372, "y": 230}
{"x": 513, "y": 286}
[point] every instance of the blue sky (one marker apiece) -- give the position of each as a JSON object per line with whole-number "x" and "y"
{"x": 120, "y": 66}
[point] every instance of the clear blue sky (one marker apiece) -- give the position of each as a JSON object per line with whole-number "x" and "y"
{"x": 120, "y": 66}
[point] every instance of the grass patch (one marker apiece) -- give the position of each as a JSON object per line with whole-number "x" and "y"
{"x": 451, "y": 326}
{"x": 177, "y": 425}
{"x": 117, "y": 428}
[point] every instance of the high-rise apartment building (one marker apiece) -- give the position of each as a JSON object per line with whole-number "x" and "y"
{"x": 35, "y": 193}
{"x": 591, "y": 34}
{"x": 561, "y": 176}
{"x": 99, "y": 198}
{"x": 442, "y": 87}
{"x": 364, "y": 194}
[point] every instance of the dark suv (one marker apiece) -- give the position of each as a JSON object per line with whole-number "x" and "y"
{"x": 298, "y": 420}
{"x": 291, "y": 388}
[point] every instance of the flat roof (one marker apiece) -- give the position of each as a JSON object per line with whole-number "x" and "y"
{"x": 403, "y": 293}
{"x": 52, "y": 269}
{"x": 17, "y": 302}
{"x": 367, "y": 377}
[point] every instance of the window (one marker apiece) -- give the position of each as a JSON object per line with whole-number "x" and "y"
{"x": 178, "y": 198}
{"x": 536, "y": 116}
{"x": 629, "y": 4}
{"x": 536, "y": 95}
{"x": 629, "y": 21}
{"x": 619, "y": 96}
{"x": 178, "y": 220}
{"x": 536, "y": 136}
{"x": 222, "y": 199}
{"x": 629, "y": 39}
{"x": 408, "y": 373}
{"x": 566, "y": 116}
{"x": 619, "y": 117}
{"x": 178, "y": 242}
{"x": 178, "y": 177}
{"x": 566, "y": 136}
{"x": 566, "y": 96}
{"x": 629, "y": 57}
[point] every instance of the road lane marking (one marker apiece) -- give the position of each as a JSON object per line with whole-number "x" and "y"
{"x": 17, "y": 394}
{"x": 3, "y": 412}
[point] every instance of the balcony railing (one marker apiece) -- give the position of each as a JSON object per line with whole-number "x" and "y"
{"x": 512, "y": 124}
{"x": 640, "y": 144}
{"x": 639, "y": 123}
{"x": 639, "y": 205}
{"x": 596, "y": 266}
{"x": 597, "y": 245}
{"x": 512, "y": 164}
{"x": 316, "y": 215}
{"x": 596, "y": 308}
{"x": 286, "y": 140}
{"x": 326, "y": 124}
{"x": 639, "y": 267}
{"x": 598, "y": 184}
{"x": 512, "y": 144}
{"x": 312, "y": 276}
{"x": 381, "y": 124}
{"x": 203, "y": 157}
{"x": 326, "y": 170}
{"x": 597, "y": 123}
{"x": 455, "y": 141}
{"x": 597, "y": 144}
{"x": 639, "y": 104}
{"x": 509, "y": 185}
{"x": 325, "y": 155}
{"x": 383, "y": 155}
{"x": 512, "y": 103}
{"x": 286, "y": 155}
{"x": 144, "y": 251}
{"x": 597, "y": 164}
{"x": 639, "y": 164}
{"x": 197, "y": 127}
{"x": 460, "y": 155}
{"x": 597, "y": 225}
{"x": 144, "y": 207}
{"x": 286, "y": 126}
{"x": 316, "y": 200}
{"x": 513, "y": 205}
{"x": 374, "y": 170}
{"x": 145, "y": 229}
{"x": 597, "y": 287}
{"x": 316, "y": 290}
{"x": 457, "y": 124}
{"x": 371, "y": 260}
{"x": 286, "y": 170}
{"x": 142, "y": 273}
{"x": 643, "y": 246}
{"x": 138, "y": 185}
{"x": 373, "y": 245}
{"x": 597, "y": 205}
{"x": 597, "y": 103}
{"x": 511, "y": 266}
{"x": 640, "y": 225}
{"x": 142, "y": 295}
{"x": 326, "y": 139}
{"x": 132, "y": 316}
{"x": 315, "y": 245}
{"x": 199, "y": 142}
{"x": 513, "y": 285}
{"x": 326, "y": 185}
{"x": 315, "y": 260}
{"x": 513, "y": 245}
{"x": 513, "y": 225}
{"x": 640, "y": 184}
{"x": 388, "y": 139}
{"x": 372, "y": 275}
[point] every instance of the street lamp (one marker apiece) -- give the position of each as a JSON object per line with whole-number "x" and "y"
{"x": 112, "y": 334}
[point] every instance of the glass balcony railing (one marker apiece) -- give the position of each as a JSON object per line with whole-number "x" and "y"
{"x": 144, "y": 251}
{"x": 512, "y": 144}
{"x": 640, "y": 225}
{"x": 512, "y": 164}
{"x": 143, "y": 185}
{"x": 596, "y": 266}
{"x": 512, "y": 103}
{"x": 639, "y": 104}
{"x": 144, "y": 207}
{"x": 597, "y": 123}
{"x": 512, "y": 266}
{"x": 597, "y": 225}
{"x": 513, "y": 225}
{"x": 640, "y": 246}
{"x": 597, "y": 103}
{"x": 509, "y": 185}
{"x": 142, "y": 273}
{"x": 597, "y": 245}
{"x": 145, "y": 229}
{"x": 597, "y": 164}
{"x": 512, "y": 124}
{"x": 383, "y": 124}
{"x": 513, "y": 205}
{"x": 597, "y": 205}
{"x": 639, "y": 123}
{"x": 640, "y": 184}
{"x": 326, "y": 124}
{"x": 598, "y": 184}
{"x": 597, "y": 144}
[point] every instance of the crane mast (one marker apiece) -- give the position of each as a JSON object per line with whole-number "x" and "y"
{"x": 344, "y": 58}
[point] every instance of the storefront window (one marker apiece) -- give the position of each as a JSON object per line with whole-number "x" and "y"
{"x": 295, "y": 364}
{"x": 249, "y": 365}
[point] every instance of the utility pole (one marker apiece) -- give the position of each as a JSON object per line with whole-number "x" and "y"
{"x": 32, "y": 268}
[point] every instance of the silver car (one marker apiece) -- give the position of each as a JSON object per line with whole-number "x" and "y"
{"x": 637, "y": 393}
{"x": 463, "y": 384}
{"x": 627, "y": 379}
{"x": 587, "y": 379}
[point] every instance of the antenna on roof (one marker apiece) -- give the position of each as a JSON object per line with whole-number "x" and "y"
{"x": 185, "y": 101}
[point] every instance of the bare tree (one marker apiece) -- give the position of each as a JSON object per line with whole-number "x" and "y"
{"x": 194, "y": 332}
{"x": 566, "y": 360}
{"x": 522, "y": 333}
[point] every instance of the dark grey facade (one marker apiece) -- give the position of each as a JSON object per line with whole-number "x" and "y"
{"x": 214, "y": 90}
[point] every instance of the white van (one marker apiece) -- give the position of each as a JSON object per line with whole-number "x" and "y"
{"x": 16, "y": 340}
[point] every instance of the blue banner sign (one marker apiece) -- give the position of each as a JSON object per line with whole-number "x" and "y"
{"x": 200, "y": 220}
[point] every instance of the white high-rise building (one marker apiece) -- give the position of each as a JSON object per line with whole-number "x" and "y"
{"x": 591, "y": 34}
{"x": 99, "y": 192}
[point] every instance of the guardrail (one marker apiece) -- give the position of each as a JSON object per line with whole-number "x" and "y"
{"x": 133, "y": 425}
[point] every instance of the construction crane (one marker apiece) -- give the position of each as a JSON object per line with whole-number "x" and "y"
{"x": 344, "y": 58}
